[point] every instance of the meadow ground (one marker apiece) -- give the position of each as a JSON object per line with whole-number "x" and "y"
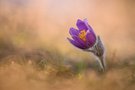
{"x": 49, "y": 70}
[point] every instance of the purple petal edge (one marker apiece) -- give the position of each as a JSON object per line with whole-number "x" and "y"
{"x": 88, "y": 26}
{"x": 91, "y": 39}
{"x": 73, "y": 31}
{"x": 81, "y": 42}
{"x": 76, "y": 44}
{"x": 81, "y": 25}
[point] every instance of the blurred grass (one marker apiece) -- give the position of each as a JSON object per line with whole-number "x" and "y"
{"x": 43, "y": 68}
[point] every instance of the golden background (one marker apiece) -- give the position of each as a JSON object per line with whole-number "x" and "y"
{"x": 31, "y": 24}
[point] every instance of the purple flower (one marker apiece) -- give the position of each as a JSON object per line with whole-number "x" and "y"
{"x": 83, "y": 37}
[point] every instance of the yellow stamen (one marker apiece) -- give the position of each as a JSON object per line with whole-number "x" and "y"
{"x": 82, "y": 35}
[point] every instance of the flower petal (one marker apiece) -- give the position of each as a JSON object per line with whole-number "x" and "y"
{"x": 88, "y": 26}
{"x": 76, "y": 44}
{"x": 91, "y": 39}
{"x": 83, "y": 44}
{"x": 73, "y": 31}
{"x": 81, "y": 25}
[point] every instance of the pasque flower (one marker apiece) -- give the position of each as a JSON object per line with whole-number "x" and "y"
{"x": 85, "y": 39}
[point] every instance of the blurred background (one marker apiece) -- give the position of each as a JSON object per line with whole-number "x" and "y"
{"x": 47, "y": 22}
{"x": 26, "y": 25}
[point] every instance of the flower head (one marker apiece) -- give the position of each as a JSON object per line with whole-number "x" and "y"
{"x": 83, "y": 37}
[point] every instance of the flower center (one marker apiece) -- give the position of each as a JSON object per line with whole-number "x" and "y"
{"x": 82, "y": 35}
